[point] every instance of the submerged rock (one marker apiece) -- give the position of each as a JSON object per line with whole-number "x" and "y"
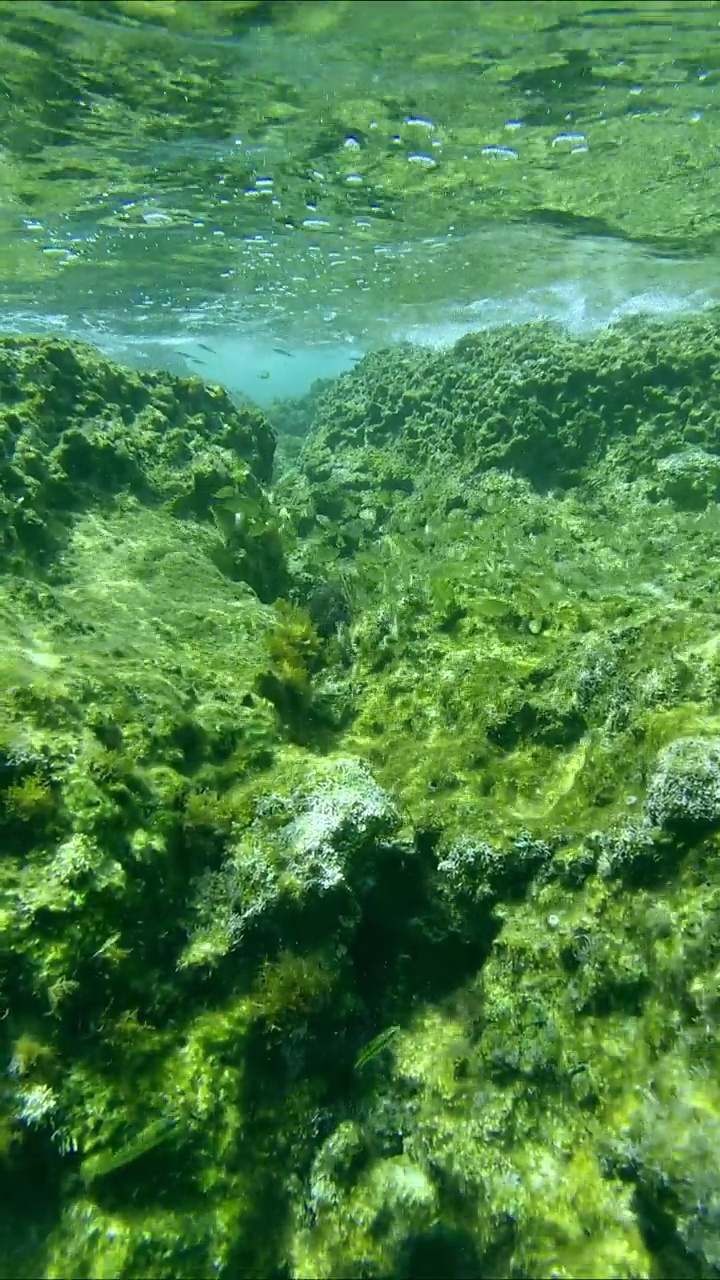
{"x": 684, "y": 789}
{"x": 306, "y": 862}
{"x": 334, "y": 922}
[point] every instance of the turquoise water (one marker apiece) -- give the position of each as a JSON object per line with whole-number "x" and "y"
{"x": 359, "y": 640}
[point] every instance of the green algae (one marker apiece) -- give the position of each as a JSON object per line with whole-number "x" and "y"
{"x": 504, "y": 852}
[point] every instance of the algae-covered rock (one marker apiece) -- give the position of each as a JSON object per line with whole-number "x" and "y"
{"x": 302, "y": 867}
{"x": 359, "y": 897}
{"x": 690, "y": 479}
{"x": 393, "y": 1200}
{"x": 473, "y": 1188}
{"x": 671, "y": 1152}
{"x": 527, "y": 399}
{"x": 684, "y": 789}
{"x": 77, "y": 430}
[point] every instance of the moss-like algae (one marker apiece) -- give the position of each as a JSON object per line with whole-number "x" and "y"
{"x": 462, "y": 805}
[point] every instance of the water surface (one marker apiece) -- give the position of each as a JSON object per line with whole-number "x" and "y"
{"x": 338, "y": 174}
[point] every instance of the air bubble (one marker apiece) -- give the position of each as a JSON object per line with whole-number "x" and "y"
{"x": 501, "y": 153}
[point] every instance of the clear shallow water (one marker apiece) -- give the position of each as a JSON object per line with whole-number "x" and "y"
{"x": 488, "y": 589}
{"x": 327, "y": 177}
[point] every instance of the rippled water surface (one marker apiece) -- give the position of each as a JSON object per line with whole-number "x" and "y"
{"x": 339, "y": 172}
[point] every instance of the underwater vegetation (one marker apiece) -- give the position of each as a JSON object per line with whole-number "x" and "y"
{"x": 359, "y": 892}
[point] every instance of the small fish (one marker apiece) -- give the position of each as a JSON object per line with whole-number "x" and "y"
{"x": 205, "y": 347}
{"x": 265, "y": 374}
{"x": 238, "y": 503}
{"x": 326, "y": 554}
{"x": 100, "y": 1163}
{"x": 283, "y": 352}
{"x": 354, "y": 529}
{"x": 375, "y": 1046}
{"x": 186, "y": 355}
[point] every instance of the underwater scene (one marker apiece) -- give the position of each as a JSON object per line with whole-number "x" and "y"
{"x": 359, "y": 639}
